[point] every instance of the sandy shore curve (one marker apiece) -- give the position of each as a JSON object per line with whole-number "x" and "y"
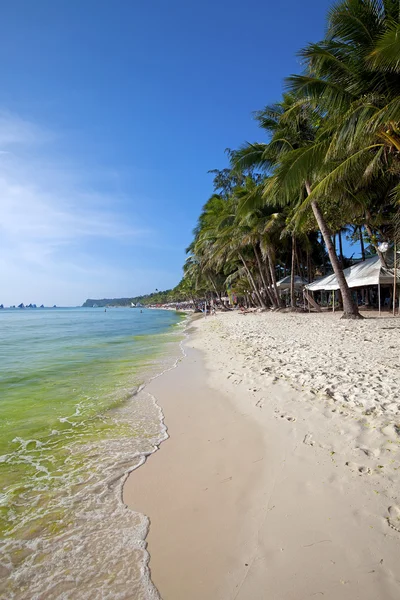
{"x": 270, "y": 486}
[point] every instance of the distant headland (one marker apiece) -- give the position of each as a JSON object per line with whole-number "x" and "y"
{"x": 154, "y": 298}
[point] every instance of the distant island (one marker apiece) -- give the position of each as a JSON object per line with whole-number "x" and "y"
{"x": 22, "y": 305}
{"x": 154, "y": 298}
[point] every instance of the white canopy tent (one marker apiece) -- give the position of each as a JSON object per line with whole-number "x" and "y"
{"x": 368, "y": 272}
{"x": 327, "y": 283}
{"x": 284, "y": 284}
{"x": 362, "y": 274}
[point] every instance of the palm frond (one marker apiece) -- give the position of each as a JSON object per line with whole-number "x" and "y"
{"x": 386, "y": 53}
{"x": 352, "y": 166}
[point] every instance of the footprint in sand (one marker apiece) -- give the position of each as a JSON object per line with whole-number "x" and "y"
{"x": 265, "y": 370}
{"x": 358, "y": 468}
{"x": 288, "y": 418}
{"x": 308, "y": 440}
{"x": 375, "y": 453}
{"x": 394, "y": 517}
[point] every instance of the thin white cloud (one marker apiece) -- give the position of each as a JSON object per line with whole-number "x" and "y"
{"x": 49, "y": 215}
{"x": 15, "y": 131}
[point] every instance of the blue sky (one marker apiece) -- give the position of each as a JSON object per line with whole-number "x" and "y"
{"x": 111, "y": 114}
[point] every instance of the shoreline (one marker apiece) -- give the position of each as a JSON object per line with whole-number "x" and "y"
{"x": 311, "y": 514}
{"x": 83, "y": 522}
{"x": 210, "y": 490}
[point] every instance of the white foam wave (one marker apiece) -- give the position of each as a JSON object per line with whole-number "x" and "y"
{"x": 88, "y": 543}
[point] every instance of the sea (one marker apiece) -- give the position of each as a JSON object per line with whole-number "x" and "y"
{"x": 75, "y": 420}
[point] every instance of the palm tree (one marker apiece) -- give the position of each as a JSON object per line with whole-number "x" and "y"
{"x": 340, "y": 131}
{"x": 294, "y": 155}
{"x": 265, "y": 225}
{"x": 332, "y": 159}
{"x": 352, "y": 76}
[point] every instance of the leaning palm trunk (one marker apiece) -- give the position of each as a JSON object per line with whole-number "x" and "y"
{"x": 292, "y": 296}
{"x": 265, "y": 283}
{"x": 259, "y": 266}
{"x": 216, "y": 290}
{"x": 253, "y": 283}
{"x": 350, "y": 310}
{"x": 270, "y": 286}
{"x": 273, "y": 276}
{"x": 270, "y": 293}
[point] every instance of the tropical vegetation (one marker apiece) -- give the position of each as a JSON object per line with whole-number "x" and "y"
{"x": 329, "y": 165}
{"x": 156, "y": 297}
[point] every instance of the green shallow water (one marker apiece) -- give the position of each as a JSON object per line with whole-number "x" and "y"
{"x": 68, "y": 413}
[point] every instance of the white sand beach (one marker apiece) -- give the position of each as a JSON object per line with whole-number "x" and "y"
{"x": 280, "y": 478}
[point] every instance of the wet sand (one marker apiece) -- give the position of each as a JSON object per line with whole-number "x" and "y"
{"x": 201, "y": 490}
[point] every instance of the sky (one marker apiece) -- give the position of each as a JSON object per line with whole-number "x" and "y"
{"x": 111, "y": 114}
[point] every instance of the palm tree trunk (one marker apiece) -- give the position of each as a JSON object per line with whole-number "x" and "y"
{"x": 249, "y": 297}
{"x": 292, "y": 296}
{"x": 362, "y": 243}
{"x": 215, "y": 288}
{"x": 300, "y": 262}
{"x": 350, "y": 310}
{"x": 265, "y": 284}
{"x": 323, "y": 264}
{"x": 341, "y": 249}
{"x": 259, "y": 267}
{"x": 273, "y": 276}
{"x": 270, "y": 285}
{"x": 309, "y": 279}
{"x": 253, "y": 283}
{"x": 270, "y": 288}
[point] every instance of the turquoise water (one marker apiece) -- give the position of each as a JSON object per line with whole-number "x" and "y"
{"x": 71, "y": 427}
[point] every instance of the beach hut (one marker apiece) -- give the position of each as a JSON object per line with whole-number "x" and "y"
{"x": 369, "y": 272}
